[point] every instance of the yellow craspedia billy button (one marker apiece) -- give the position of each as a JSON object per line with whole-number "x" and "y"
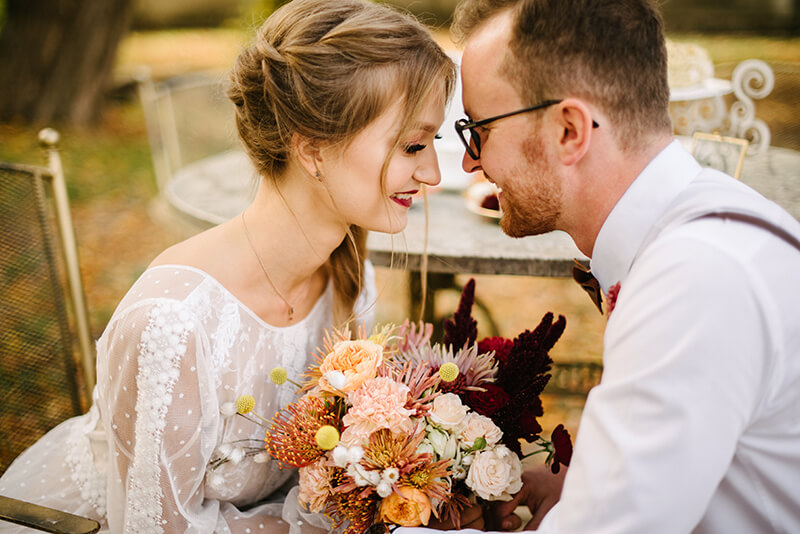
{"x": 327, "y": 437}
{"x": 245, "y": 403}
{"x": 278, "y": 375}
{"x": 448, "y": 372}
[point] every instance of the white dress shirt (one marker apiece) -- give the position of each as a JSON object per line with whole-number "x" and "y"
{"x": 695, "y": 426}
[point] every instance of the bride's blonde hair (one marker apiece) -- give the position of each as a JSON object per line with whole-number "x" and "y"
{"x": 325, "y": 70}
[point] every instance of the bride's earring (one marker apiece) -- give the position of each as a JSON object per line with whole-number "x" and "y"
{"x": 318, "y": 176}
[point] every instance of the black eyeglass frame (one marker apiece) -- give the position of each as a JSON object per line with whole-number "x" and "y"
{"x": 464, "y": 124}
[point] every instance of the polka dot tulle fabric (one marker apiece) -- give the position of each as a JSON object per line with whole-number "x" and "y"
{"x": 178, "y": 348}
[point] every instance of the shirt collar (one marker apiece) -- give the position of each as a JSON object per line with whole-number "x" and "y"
{"x": 642, "y": 204}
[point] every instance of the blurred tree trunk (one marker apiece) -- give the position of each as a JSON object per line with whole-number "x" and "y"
{"x": 56, "y": 58}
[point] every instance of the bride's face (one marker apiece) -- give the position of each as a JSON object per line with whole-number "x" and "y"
{"x": 353, "y": 176}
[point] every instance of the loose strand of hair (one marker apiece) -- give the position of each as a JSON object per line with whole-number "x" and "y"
{"x": 423, "y": 267}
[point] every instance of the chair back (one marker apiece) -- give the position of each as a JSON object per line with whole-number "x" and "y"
{"x": 46, "y": 353}
{"x": 190, "y": 121}
{"x": 188, "y": 118}
{"x": 725, "y": 154}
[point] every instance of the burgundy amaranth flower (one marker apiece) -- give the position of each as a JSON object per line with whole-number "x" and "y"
{"x": 462, "y": 329}
{"x": 529, "y": 358}
{"x": 563, "y": 448}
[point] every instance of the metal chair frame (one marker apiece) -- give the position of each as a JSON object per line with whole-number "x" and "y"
{"x": 52, "y": 178}
{"x": 44, "y": 519}
{"x": 161, "y": 117}
{"x": 53, "y": 175}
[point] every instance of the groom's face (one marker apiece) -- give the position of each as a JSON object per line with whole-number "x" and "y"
{"x": 513, "y": 152}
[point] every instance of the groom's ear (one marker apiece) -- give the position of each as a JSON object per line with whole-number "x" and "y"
{"x": 307, "y": 153}
{"x": 574, "y": 130}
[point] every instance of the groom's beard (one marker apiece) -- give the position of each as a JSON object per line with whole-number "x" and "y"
{"x": 532, "y": 199}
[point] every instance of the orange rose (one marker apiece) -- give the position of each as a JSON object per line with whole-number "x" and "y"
{"x": 410, "y": 509}
{"x": 357, "y": 360}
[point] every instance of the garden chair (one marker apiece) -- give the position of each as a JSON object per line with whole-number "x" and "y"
{"x": 189, "y": 121}
{"x": 46, "y": 352}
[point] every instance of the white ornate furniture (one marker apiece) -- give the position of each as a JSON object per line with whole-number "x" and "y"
{"x": 702, "y": 108}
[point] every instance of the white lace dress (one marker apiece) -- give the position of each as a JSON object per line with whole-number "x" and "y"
{"x": 177, "y": 348}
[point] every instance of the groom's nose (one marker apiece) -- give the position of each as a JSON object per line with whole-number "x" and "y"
{"x": 469, "y": 164}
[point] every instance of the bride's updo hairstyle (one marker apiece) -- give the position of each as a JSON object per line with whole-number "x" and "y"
{"x": 325, "y": 70}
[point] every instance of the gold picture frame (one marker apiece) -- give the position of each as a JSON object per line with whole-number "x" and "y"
{"x": 725, "y": 154}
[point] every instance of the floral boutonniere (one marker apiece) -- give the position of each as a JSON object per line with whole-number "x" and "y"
{"x": 611, "y": 297}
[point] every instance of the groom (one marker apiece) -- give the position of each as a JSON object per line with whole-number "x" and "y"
{"x": 695, "y": 426}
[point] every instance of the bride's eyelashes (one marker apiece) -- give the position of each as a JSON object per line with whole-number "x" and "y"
{"x": 413, "y": 148}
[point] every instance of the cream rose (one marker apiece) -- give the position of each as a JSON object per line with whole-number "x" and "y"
{"x": 357, "y": 360}
{"x": 476, "y": 426}
{"x": 447, "y": 411}
{"x": 495, "y": 474}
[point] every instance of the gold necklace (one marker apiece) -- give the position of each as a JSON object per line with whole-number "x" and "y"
{"x": 264, "y": 269}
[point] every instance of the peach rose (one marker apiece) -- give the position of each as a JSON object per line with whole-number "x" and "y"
{"x": 357, "y": 360}
{"x": 409, "y": 509}
{"x": 495, "y": 475}
{"x": 314, "y": 485}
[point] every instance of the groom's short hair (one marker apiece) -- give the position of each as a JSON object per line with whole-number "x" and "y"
{"x": 609, "y": 52}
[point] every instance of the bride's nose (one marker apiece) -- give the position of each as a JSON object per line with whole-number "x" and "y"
{"x": 428, "y": 171}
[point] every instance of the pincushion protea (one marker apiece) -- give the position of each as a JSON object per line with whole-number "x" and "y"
{"x": 291, "y": 438}
{"x": 354, "y": 509}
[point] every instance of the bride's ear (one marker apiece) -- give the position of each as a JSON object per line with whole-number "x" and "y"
{"x": 307, "y": 153}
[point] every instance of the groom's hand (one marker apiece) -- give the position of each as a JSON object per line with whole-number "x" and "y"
{"x": 541, "y": 489}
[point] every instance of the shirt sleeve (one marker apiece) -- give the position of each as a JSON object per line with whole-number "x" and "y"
{"x": 683, "y": 364}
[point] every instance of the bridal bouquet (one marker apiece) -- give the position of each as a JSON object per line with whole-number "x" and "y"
{"x": 391, "y": 428}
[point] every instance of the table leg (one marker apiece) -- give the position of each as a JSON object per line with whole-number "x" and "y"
{"x": 438, "y": 282}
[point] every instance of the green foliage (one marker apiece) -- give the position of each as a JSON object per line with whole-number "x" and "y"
{"x": 113, "y": 159}
{"x": 256, "y": 11}
{"x": 434, "y": 13}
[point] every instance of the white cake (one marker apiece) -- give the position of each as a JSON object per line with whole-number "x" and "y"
{"x": 688, "y": 64}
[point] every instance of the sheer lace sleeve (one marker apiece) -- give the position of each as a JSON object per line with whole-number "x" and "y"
{"x": 161, "y": 419}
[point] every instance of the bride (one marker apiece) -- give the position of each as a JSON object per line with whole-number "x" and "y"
{"x": 337, "y": 105}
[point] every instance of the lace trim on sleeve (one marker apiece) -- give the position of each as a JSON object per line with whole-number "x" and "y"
{"x": 81, "y": 461}
{"x": 162, "y": 345}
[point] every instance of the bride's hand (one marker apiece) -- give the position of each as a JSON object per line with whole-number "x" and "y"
{"x": 471, "y": 517}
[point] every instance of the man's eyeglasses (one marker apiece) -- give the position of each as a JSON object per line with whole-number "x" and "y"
{"x": 463, "y": 125}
